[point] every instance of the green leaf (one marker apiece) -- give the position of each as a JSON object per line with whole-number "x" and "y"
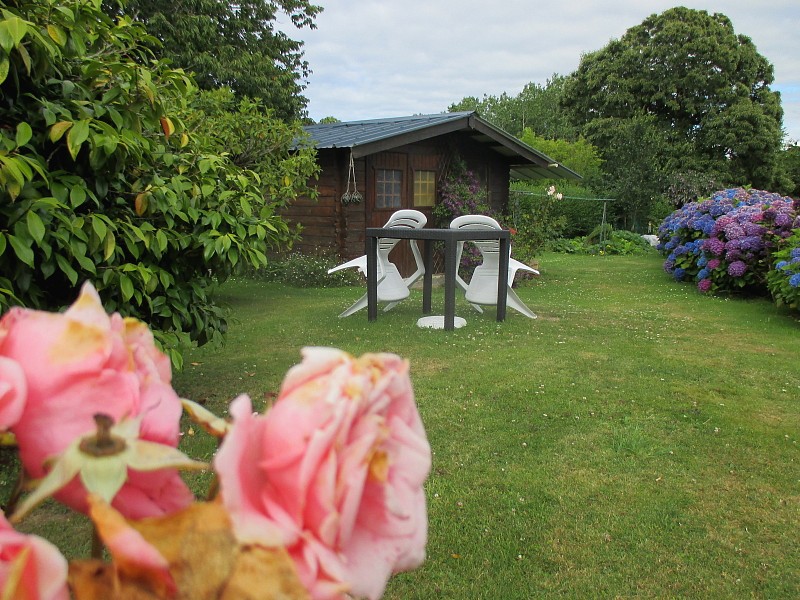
{"x": 12, "y": 30}
{"x": 2, "y": 243}
{"x": 77, "y": 196}
{"x": 49, "y": 116}
{"x": 78, "y": 134}
{"x": 67, "y": 12}
{"x": 99, "y": 227}
{"x": 24, "y": 134}
{"x": 110, "y": 244}
{"x": 67, "y": 269}
{"x": 86, "y": 263}
{"x": 162, "y": 240}
{"x": 4, "y": 65}
{"x": 58, "y": 129}
{"x": 12, "y": 165}
{"x": 26, "y": 58}
{"x": 126, "y": 286}
{"x": 57, "y": 35}
{"x": 21, "y": 249}
{"x": 35, "y": 226}
{"x": 246, "y": 208}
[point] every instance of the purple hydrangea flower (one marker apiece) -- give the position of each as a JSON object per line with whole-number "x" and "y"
{"x": 704, "y": 285}
{"x": 714, "y": 245}
{"x": 737, "y": 268}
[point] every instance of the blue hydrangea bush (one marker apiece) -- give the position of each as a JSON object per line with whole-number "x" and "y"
{"x": 783, "y": 280}
{"x": 726, "y": 242}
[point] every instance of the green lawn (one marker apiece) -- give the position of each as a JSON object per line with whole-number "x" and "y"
{"x": 637, "y": 440}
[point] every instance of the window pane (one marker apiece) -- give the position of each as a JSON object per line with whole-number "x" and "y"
{"x": 388, "y": 186}
{"x": 424, "y": 188}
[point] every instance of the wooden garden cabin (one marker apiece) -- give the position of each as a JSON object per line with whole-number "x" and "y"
{"x": 397, "y": 163}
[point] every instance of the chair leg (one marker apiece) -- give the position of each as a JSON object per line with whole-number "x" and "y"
{"x": 357, "y": 306}
{"x": 514, "y": 302}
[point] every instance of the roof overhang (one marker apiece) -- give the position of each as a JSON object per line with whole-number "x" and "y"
{"x": 364, "y": 138}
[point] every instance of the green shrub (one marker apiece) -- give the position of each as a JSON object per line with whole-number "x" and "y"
{"x": 107, "y": 175}
{"x": 532, "y": 218}
{"x": 306, "y": 270}
{"x": 616, "y": 241}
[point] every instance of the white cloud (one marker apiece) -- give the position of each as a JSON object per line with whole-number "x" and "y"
{"x": 378, "y": 58}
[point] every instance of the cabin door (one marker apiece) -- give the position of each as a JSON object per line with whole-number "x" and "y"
{"x": 398, "y": 180}
{"x": 387, "y": 192}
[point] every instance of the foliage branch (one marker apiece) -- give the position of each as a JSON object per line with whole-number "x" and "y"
{"x": 108, "y": 175}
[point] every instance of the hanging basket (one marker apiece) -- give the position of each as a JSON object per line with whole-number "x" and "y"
{"x": 353, "y": 197}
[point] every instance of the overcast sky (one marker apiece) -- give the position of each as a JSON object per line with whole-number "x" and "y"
{"x": 387, "y": 58}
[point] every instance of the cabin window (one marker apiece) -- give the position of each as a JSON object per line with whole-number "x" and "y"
{"x": 388, "y": 188}
{"x": 424, "y": 188}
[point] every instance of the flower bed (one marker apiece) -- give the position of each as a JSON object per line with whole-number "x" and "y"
{"x": 727, "y": 242}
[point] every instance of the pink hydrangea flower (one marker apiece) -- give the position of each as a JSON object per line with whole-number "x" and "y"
{"x": 83, "y": 362}
{"x": 704, "y": 285}
{"x": 334, "y": 471}
{"x": 30, "y": 567}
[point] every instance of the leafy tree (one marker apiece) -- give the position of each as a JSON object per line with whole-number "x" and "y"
{"x": 790, "y": 161}
{"x": 232, "y": 44}
{"x": 581, "y": 156}
{"x": 578, "y": 215}
{"x": 706, "y": 87}
{"x": 636, "y": 166}
{"x": 536, "y": 108}
{"x": 103, "y": 178}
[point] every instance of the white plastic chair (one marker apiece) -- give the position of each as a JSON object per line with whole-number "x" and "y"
{"x": 392, "y": 288}
{"x": 482, "y": 288}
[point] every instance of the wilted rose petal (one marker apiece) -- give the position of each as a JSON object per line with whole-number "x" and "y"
{"x": 334, "y": 470}
{"x": 133, "y": 555}
{"x": 192, "y": 551}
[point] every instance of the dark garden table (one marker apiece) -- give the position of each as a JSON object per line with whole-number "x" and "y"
{"x": 451, "y": 239}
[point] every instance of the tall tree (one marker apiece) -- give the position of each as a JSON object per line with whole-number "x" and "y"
{"x": 706, "y": 87}
{"x": 233, "y": 44}
{"x": 537, "y": 107}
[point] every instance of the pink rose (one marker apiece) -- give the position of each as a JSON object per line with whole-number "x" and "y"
{"x": 13, "y": 390}
{"x": 334, "y": 470}
{"x": 30, "y": 567}
{"x": 83, "y": 362}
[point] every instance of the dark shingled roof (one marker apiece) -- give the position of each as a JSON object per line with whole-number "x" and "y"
{"x": 376, "y": 135}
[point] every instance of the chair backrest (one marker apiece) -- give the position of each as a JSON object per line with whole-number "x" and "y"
{"x": 412, "y": 219}
{"x": 488, "y": 248}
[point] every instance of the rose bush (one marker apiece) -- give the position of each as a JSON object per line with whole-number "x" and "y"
{"x": 322, "y": 495}
{"x": 333, "y": 471}
{"x": 81, "y": 363}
